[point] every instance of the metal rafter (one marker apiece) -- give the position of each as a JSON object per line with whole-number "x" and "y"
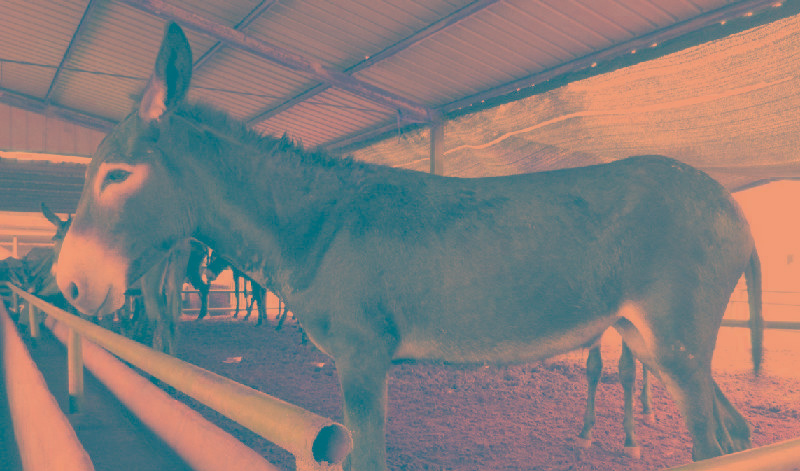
{"x": 416, "y": 38}
{"x": 68, "y": 53}
{"x": 284, "y": 57}
{"x": 36, "y": 105}
{"x": 255, "y": 13}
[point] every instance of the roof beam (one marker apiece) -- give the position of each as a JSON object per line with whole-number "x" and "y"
{"x": 256, "y": 12}
{"x": 79, "y": 31}
{"x": 692, "y": 25}
{"x": 430, "y": 30}
{"x": 358, "y": 137}
{"x": 284, "y": 57}
{"x": 36, "y": 105}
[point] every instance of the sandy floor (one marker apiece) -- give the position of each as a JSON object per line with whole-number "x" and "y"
{"x": 521, "y": 417}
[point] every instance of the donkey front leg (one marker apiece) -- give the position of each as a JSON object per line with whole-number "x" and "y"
{"x": 363, "y": 382}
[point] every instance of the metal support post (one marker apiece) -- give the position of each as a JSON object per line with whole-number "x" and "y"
{"x": 33, "y": 324}
{"x": 437, "y": 147}
{"x": 75, "y": 371}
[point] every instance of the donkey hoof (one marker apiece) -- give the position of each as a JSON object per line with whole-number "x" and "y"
{"x": 584, "y": 443}
{"x": 633, "y": 452}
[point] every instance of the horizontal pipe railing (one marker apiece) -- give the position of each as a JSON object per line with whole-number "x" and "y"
{"x": 45, "y": 438}
{"x": 220, "y": 309}
{"x": 781, "y": 456}
{"x": 199, "y": 443}
{"x": 316, "y": 442}
{"x": 783, "y": 325}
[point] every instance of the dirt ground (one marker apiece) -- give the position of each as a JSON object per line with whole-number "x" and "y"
{"x": 521, "y": 417}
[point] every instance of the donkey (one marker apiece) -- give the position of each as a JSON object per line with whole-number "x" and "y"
{"x": 382, "y": 265}
{"x": 216, "y": 264}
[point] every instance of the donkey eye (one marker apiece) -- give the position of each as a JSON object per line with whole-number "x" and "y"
{"x": 115, "y": 176}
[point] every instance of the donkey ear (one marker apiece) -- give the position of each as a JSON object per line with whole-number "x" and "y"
{"x": 171, "y": 77}
{"x": 51, "y": 216}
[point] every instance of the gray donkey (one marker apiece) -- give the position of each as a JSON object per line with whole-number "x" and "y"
{"x": 382, "y": 265}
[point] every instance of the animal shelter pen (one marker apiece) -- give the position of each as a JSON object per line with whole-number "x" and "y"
{"x": 458, "y": 88}
{"x": 317, "y": 442}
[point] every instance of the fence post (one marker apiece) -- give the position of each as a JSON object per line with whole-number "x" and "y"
{"x": 75, "y": 371}
{"x": 33, "y": 324}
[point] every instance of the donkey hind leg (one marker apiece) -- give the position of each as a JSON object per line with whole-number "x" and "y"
{"x": 647, "y": 410}
{"x": 734, "y": 428}
{"x": 715, "y": 426}
{"x": 363, "y": 381}
{"x": 627, "y": 376}
{"x": 594, "y": 368}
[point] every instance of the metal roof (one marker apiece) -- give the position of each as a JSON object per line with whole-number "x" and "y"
{"x": 331, "y": 73}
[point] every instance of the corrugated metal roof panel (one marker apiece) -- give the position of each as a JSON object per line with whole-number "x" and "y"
{"x": 118, "y": 40}
{"x": 343, "y": 32}
{"x": 514, "y": 39}
{"x": 228, "y": 13}
{"x": 113, "y": 60}
{"x": 38, "y": 31}
{"x": 327, "y": 116}
{"x": 245, "y": 84}
{"x": 25, "y": 185}
{"x": 33, "y": 38}
{"x": 26, "y": 131}
{"x": 25, "y": 79}
{"x": 108, "y": 97}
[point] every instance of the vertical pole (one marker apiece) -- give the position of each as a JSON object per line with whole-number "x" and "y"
{"x": 15, "y": 247}
{"x": 437, "y": 147}
{"x": 33, "y": 324}
{"x": 75, "y": 371}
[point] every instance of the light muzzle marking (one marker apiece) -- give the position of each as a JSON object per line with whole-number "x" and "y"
{"x": 92, "y": 276}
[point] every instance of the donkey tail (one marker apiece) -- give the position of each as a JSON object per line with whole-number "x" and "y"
{"x": 752, "y": 276}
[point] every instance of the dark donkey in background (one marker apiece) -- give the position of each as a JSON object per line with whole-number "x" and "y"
{"x": 381, "y": 265}
{"x": 216, "y": 265}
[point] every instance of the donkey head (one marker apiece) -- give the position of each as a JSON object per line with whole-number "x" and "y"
{"x": 131, "y": 211}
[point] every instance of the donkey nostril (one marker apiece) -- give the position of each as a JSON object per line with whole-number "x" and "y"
{"x": 73, "y": 291}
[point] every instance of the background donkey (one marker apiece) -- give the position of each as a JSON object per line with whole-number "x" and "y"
{"x": 381, "y": 265}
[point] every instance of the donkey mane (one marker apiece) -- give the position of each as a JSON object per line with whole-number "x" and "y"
{"x": 219, "y": 123}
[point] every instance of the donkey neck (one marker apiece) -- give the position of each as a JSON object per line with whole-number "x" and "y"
{"x": 265, "y": 205}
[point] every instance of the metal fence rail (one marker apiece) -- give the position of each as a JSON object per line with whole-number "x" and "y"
{"x": 316, "y": 442}
{"x": 44, "y": 436}
{"x": 783, "y": 456}
{"x": 231, "y": 307}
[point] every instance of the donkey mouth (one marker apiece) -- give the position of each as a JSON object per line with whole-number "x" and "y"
{"x": 104, "y": 307}
{"x": 90, "y": 274}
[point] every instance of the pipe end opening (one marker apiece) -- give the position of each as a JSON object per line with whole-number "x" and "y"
{"x": 332, "y": 445}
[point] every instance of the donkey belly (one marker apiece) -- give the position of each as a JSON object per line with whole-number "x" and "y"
{"x": 494, "y": 340}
